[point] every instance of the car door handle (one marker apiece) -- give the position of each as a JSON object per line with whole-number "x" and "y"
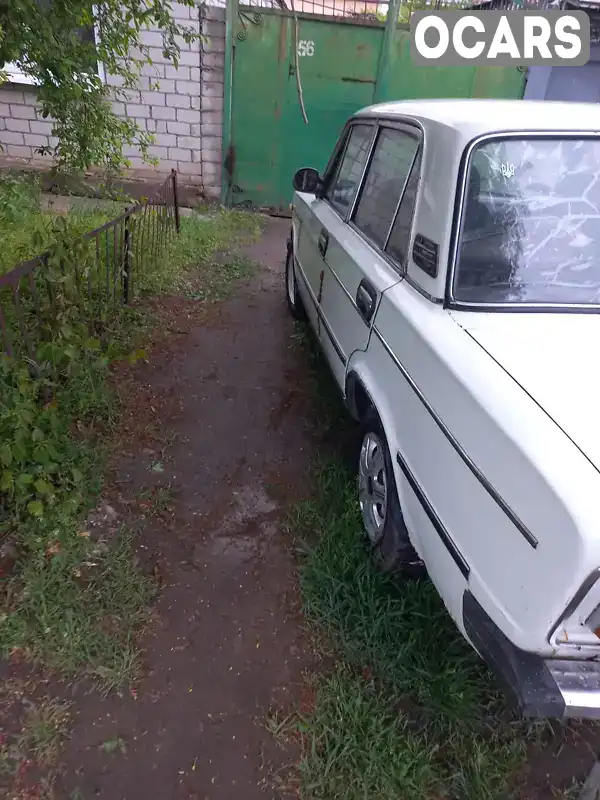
{"x": 323, "y": 242}
{"x": 366, "y": 300}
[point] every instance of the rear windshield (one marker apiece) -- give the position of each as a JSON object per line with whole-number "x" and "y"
{"x": 530, "y": 230}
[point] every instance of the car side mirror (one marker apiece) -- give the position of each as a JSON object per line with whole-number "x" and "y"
{"x": 307, "y": 180}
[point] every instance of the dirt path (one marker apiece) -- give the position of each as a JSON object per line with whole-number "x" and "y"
{"x": 226, "y": 645}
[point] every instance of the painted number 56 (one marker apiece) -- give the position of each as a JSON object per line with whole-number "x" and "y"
{"x": 306, "y": 47}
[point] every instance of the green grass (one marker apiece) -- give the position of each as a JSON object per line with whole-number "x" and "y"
{"x": 74, "y": 601}
{"x": 408, "y": 710}
{"x": 201, "y": 237}
{"x": 26, "y": 230}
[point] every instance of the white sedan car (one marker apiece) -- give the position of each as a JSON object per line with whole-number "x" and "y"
{"x": 449, "y": 262}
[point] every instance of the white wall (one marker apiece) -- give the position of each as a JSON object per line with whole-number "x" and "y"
{"x": 184, "y": 112}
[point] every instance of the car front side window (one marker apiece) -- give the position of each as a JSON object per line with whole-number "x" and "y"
{"x": 385, "y": 182}
{"x": 348, "y": 171}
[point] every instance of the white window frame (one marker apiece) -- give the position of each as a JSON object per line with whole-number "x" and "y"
{"x": 16, "y": 76}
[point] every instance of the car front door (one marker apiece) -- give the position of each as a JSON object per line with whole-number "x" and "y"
{"x": 314, "y": 216}
{"x": 356, "y": 270}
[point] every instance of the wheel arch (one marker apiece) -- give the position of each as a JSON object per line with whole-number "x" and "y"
{"x": 361, "y": 387}
{"x": 358, "y": 398}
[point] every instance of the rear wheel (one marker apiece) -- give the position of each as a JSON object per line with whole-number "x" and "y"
{"x": 294, "y": 301}
{"x": 382, "y": 517}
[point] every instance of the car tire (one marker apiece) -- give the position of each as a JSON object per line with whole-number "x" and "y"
{"x": 294, "y": 301}
{"x": 383, "y": 522}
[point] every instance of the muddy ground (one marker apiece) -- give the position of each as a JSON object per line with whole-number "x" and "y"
{"x": 226, "y": 645}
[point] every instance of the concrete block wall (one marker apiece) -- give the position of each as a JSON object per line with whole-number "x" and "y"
{"x": 183, "y": 109}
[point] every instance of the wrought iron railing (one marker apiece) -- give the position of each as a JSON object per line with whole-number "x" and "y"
{"x": 87, "y": 278}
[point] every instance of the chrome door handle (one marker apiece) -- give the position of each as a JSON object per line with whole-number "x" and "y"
{"x": 366, "y": 300}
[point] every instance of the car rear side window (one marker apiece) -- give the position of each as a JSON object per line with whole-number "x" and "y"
{"x": 530, "y": 230}
{"x": 385, "y": 182}
{"x": 397, "y": 245}
{"x": 349, "y": 168}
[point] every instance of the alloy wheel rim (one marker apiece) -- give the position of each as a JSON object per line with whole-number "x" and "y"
{"x": 372, "y": 486}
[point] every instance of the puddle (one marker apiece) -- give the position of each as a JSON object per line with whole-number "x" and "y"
{"x": 238, "y": 549}
{"x": 250, "y": 503}
{"x": 243, "y": 533}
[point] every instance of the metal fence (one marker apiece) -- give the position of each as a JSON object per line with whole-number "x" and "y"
{"x": 376, "y": 10}
{"x": 85, "y": 280}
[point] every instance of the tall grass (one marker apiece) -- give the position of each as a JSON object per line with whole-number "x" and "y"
{"x": 26, "y": 230}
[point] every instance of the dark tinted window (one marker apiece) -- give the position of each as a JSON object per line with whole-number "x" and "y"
{"x": 388, "y": 171}
{"x": 399, "y": 240}
{"x": 531, "y": 223}
{"x": 346, "y": 178}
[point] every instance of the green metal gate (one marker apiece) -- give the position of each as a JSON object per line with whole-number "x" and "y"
{"x": 343, "y": 63}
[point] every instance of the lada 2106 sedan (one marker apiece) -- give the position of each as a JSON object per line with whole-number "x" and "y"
{"x": 448, "y": 260}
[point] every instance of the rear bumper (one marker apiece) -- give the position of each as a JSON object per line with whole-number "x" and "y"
{"x": 539, "y": 687}
{"x": 579, "y": 685}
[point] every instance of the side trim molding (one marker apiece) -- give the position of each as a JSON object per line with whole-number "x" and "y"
{"x": 434, "y": 519}
{"x": 502, "y": 504}
{"x": 334, "y": 341}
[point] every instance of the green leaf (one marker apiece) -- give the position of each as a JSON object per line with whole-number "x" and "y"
{"x": 41, "y": 455}
{"x": 19, "y": 452}
{"x": 23, "y": 480}
{"x": 92, "y": 344}
{"x": 6, "y": 455}
{"x": 6, "y": 481}
{"x": 37, "y": 435}
{"x": 77, "y": 475}
{"x": 35, "y": 508}
{"x": 43, "y": 487}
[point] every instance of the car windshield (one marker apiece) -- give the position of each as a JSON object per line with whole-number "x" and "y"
{"x": 530, "y": 229}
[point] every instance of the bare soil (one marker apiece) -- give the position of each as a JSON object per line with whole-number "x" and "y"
{"x": 211, "y": 425}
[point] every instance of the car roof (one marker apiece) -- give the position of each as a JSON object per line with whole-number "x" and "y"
{"x": 476, "y": 117}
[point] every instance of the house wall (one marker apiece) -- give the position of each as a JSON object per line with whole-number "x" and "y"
{"x": 576, "y": 84}
{"x": 184, "y": 112}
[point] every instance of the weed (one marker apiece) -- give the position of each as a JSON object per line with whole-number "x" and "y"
{"x": 572, "y": 792}
{"x": 156, "y": 500}
{"x": 114, "y": 745}
{"x": 26, "y": 230}
{"x": 44, "y": 728}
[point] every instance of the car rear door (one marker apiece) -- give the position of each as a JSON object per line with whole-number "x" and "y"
{"x": 356, "y": 269}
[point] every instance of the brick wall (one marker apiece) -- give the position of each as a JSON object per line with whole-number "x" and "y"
{"x": 184, "y": 112}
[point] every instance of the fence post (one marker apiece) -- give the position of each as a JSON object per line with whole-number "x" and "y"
{"x": 231, "y": 13}
{"x": 175, "y": 199}
{"x": 126, "y": 259}
{"x": 386, "y": 53}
